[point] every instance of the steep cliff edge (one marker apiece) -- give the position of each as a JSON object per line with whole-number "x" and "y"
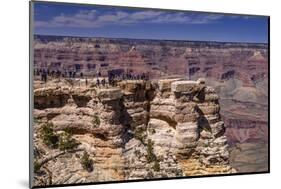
{"x": 136, "y": 130}
{"x": 237, "y": 71}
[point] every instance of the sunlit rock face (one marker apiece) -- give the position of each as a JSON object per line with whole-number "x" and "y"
{"x": 237, "y": 73}
{"x": 135, "y": 130}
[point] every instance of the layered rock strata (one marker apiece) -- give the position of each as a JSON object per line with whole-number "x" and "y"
{"x": 136, "y": 130}
{"x": 237, "y": 71}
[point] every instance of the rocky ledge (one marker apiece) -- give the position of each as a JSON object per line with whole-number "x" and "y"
{"x": 136, "y": 130}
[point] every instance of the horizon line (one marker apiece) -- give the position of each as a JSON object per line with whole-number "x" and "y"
{"x": 178, "y": 40}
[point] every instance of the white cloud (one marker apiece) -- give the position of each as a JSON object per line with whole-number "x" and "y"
{"x": 142, "y": 15}
{"x": 93, "y": 19}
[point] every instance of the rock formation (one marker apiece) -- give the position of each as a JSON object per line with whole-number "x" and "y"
{"x": 237, "y": 71}
{"x": 136, "y": 130}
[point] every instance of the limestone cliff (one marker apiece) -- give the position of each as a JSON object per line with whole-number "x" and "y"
{"x": 136, "y": 130}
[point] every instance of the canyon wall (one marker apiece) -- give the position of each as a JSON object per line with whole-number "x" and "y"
{"x": 237, "y": 71}
{"x": 160, "y": 58}
{"x": 136, "y": 130}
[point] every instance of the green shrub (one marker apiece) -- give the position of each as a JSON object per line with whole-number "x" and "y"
{"x": 48, "y": 136}
{"x": 68, "y": 130}
{"x": 140, "y": 134}
{"x": 151, "y": 157}
{"x": 96, "y": 121}
{"x": 156, "y": 166}
{"x": 86, "y": 162}
{"x": 36, "y": 166}
{"x": 150, "y": 154}
{"x": 66, "y": 142}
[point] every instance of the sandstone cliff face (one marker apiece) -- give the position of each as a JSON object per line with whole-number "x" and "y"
{"x": 145, "y": 130}
{"x": 237, "y": 71}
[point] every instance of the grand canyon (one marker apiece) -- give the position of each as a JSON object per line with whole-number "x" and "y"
{"x": 201, "y": 109}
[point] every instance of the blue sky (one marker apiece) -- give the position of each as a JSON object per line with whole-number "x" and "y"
{"x": 118, "y": 22}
